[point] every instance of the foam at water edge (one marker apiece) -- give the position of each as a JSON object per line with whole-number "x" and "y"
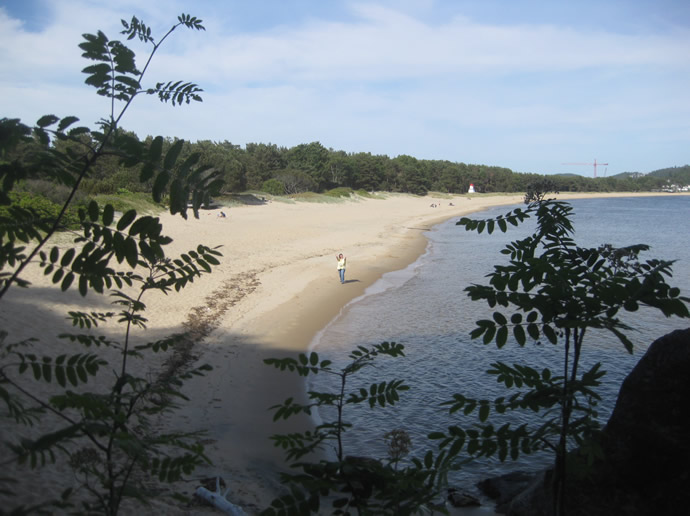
{"x": 389, "y": 280}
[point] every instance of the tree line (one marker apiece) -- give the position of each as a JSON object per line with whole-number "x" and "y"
{"x": 312, "y": 167}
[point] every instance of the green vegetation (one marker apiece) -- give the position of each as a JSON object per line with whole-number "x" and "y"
{"x": 124, "y": 201}
{"x": 273, "y": 186}
{"x": 312, "y": 167}
{"x": 361, "y": 484}
{"x": 553, "y": 291}
{"x": 677, "y": 175}
{"x": 42, "y": 207}
{"x": 368, "y": 195}
{"x": 340, "y": 192}
{"x": 76, "y": 400}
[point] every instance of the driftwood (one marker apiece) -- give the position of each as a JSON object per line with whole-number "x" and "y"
{"x": 218, "y": 499}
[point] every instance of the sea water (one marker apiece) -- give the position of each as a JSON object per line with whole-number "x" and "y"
{"x": 425, "y": 308}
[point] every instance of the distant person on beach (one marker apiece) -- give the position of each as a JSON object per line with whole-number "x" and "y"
{"x": 341, "y": 266}
{"x": 221, "y": 215}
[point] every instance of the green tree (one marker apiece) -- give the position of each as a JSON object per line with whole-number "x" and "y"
{"x": 554, "y": 291}
{"x": 340, "y": 169}
{"x": 369, "y": 172}
{"x": 107, "y": 436}
{"x": 311, "y": 158}
{"x": 262, "y": 161}
{"x": 235, "y": 170}
{"x": 410, "y": 175}
{"x": 226, "y": 158}
{"x": 295, "y": 181}
{"x": 446, "y": 176}
{"x": 273, "y": 187}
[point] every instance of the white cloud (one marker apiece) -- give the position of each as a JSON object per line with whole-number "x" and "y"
{"x": 383, "y": 77}
{"x": 387, "y": 45}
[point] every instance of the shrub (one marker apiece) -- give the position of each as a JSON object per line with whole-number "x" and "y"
{"x": 42, "y": 207}
{"x": 55, "y": 192}
{"x": 296, "y": 181}
{"x": 359, "y": 484}
{"x": 366, "y": 195}
{"x": 339, "y": 192}
{"x": 273, "y": 187}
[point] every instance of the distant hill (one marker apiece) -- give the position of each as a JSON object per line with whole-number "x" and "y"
{"x": 677, "y": 175}
{"x": 627, "y": 175}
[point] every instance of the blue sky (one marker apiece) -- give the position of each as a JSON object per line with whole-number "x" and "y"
{"x": 528, "y": 85}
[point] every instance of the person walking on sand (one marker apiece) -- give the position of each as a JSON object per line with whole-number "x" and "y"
{"x": 341, "y": 266}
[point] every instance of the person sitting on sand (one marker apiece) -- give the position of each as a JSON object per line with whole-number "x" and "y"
{"x": 222, "y": 214}
{"x": 341, "y": 266}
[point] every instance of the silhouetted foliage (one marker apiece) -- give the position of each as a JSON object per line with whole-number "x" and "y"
{"x": 102, "y": 431}
{"x": 551, "y": 290}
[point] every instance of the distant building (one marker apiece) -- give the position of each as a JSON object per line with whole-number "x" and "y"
{"x": 673, "y": 188}
{"x": 471, "y": 190}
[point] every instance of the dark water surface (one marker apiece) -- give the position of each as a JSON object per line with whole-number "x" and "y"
{"x": 425, "y": 308}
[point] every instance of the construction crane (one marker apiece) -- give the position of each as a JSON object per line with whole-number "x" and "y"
{"x": 589, "y": 164}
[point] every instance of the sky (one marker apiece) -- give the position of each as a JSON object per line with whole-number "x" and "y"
{"x": 529, "y": 85}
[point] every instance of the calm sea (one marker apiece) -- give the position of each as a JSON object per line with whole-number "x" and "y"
{"x": 425, "y": 308}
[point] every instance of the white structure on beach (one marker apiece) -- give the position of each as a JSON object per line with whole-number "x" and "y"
{"x": 471, "y": 190}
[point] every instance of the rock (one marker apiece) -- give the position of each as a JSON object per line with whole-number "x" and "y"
{"x": 505, "y": 487}
{"x": 518, "y": 493}
{"x": 651, "y": 419}
{"x": 460, "y": 498}
{"x": 645, "y": 442}
{"x": 645, "y": 464}
{"x": 535, "y": 500}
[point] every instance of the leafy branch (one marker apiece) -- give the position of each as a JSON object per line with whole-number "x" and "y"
{"x": 551, "y": 289}
{"x": 106, "y": 434}
{"x": 367, "y": 485}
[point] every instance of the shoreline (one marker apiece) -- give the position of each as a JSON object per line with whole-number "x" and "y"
{"x": 317, "y": 304}
{"x": 276, "y": 288}
{"x": 310, "y": 297}
{"x": 291, "y": 327}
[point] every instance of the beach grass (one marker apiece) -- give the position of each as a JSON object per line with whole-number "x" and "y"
{"x": 125, "y": 201}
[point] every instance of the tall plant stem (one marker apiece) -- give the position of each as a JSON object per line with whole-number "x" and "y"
{"x": 89, "y": 161}
{"x": 566, "y": 406}
{"x": 340, "y": 416}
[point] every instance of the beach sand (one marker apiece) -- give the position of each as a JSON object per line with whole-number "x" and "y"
{"x": 275, "y": 289}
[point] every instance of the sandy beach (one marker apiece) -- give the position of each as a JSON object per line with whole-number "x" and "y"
{"x": 280, "y": 268}
{"x": 275, "y": 288}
